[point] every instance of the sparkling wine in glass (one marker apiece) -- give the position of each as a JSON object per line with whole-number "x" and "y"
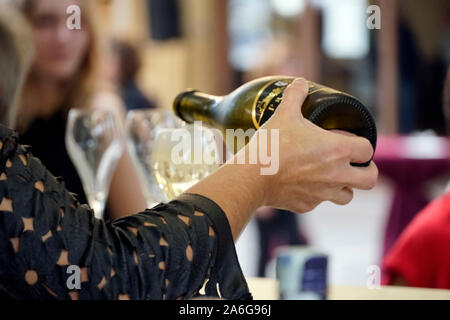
{"x": 181, "y": 157}
{"x": 95, "y": 145}
{"x": 142, "y": 127}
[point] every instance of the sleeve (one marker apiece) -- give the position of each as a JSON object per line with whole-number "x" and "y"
{"x": 52, "y": 247}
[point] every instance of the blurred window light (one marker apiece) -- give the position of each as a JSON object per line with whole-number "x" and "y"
{"x": 345, "y": 33}
{"x": 288, "y": 8}
{"x": 249, "y": 30}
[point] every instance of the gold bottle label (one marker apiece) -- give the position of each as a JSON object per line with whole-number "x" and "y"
{"x": 270, "y": 96}
{"x": 267, "y": 100}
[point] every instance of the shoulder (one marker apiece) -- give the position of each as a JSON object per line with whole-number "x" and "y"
{"x": 428, "y": 227}
{"x": 434, "y": 218}
{"x": 422, "y": 245}
{"x": 427, "y": 231}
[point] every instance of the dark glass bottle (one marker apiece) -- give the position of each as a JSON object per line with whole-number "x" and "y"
{"x": 250, "y": 105}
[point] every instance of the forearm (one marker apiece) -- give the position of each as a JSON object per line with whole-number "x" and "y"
{"x": 125, "y": 194}
{"x": 239, "y": 189}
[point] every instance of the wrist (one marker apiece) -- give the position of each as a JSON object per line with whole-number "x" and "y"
{"x": 239, "y": 189}
{"x": 250, "y": 175}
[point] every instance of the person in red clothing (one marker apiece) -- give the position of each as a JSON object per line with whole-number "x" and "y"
{"x": 421, "y": 255}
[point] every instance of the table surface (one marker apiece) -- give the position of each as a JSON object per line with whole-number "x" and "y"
{"x": 267, "y": 289}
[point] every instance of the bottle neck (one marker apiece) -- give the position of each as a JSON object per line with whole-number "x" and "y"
{"x": 196, "y": 106}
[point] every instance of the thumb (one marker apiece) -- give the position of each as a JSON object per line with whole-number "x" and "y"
{"x": 293, "y": 97}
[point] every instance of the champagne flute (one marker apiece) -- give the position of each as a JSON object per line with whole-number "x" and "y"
{"x": 142, "y": 127}
{"x": 182, "y": 157}
{"x": 95, "y": 145}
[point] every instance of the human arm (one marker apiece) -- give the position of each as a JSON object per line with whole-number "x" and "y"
{"x": 314, "y": 166}
{"x": 170, "y": 250}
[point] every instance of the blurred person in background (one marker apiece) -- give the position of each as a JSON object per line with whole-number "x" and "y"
{"x": 65, "y": 74}
{"x": 126, "y": 63}
{"x": 421, "y": 255}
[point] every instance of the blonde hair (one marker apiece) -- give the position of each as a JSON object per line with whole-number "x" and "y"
{"x": 15, "y": 58}
{"x": 87, "y": 81}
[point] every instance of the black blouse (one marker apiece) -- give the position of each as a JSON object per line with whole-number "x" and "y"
{"x": 47, "y": 239}
{"x": 47, "y": 139}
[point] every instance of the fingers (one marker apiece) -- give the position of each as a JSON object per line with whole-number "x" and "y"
{"x": 339, "y": 195}
{"x": 293, "y": 97}
{"x": 344, "y": 133}
{"x": 342, "y": 196}
{"x": 361, "y": 149}
{"x": 363, "y": 178}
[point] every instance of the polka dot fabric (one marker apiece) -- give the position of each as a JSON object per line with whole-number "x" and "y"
{"x": 52, "y": 247}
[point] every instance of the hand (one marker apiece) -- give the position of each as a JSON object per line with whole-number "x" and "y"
{"x": 314, "y": 164}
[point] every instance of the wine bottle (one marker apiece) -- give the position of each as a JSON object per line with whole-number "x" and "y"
{"x": 252, "y": 104}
